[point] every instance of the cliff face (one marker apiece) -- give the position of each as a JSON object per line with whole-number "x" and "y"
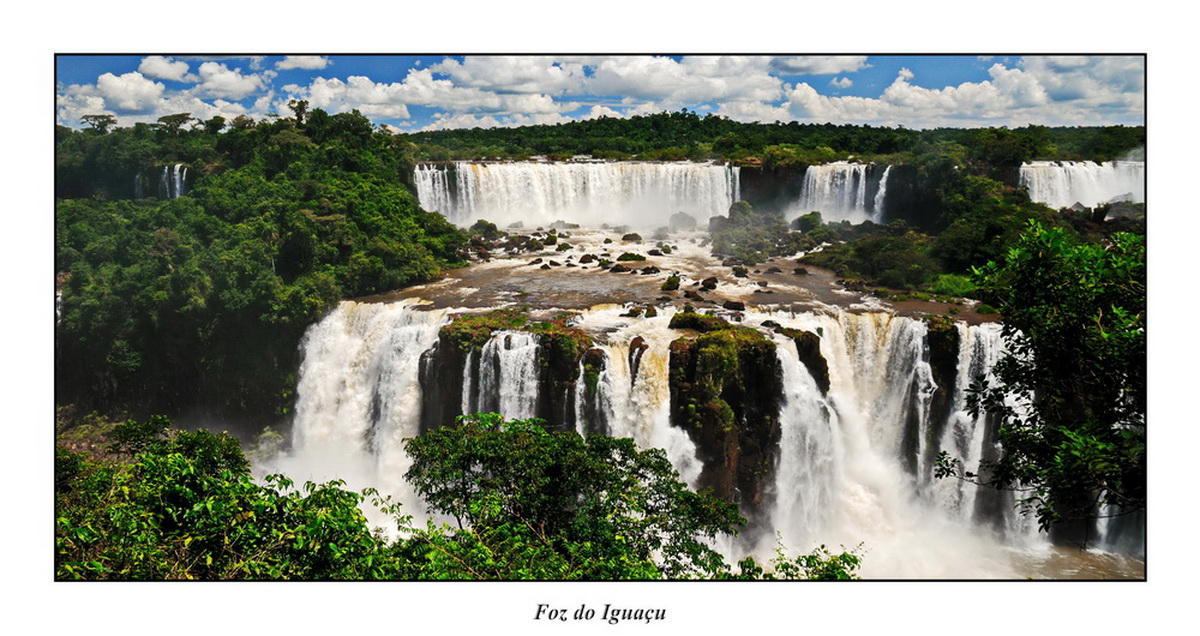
{"x": 560, "y": 348}
{"x": 770, "y": 190}
{"x": 726, "y": 387}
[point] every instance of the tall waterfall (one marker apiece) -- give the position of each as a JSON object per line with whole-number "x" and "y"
{"x": 508, "y": 375}
{"x": 358, "y": 397}
{"x": 637, "y": 194}
{"x": 172, "y": 182}
{"x": 843, "y": 191}
{"x": 853, "y": 464}
{"x": 1061, "y": 184}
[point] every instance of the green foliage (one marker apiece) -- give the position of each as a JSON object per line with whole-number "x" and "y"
{"x": 542, "y": 505}
{"x": 899, "y": 262}
{"x": 671, "y": 284}
{"x": 186, "y": 508}
{"x": 630, "y": 256}
{"x": 699, "y": 322}
{"x": 685, "y": 135}
{"x": 818, "y": 565}
{"x": 952, "y": 285}
{"x": 750, "y": 237}
{"x": 200, "y": 299}
{"x": 1071, "y": 391}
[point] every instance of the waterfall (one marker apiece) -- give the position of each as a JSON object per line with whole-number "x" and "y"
{"x": 853, "y": 463}
{"x": 172, "y": 183}
{"x": 359, "y": 397}
{"x": 508, "y": 375}
{"x": 849, "y": 469}
{"x": 842, "y": 191}
{"x": 1061, "y": 184}
{"x": 637, "y": 194}
{"x": 880, "y": 197}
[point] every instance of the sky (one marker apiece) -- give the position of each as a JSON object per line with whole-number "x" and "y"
{"x": 428, "y": 92}
{"x": 39, "y": 81}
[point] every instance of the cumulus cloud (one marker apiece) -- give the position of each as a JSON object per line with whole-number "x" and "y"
{"x": 517, "y": 90}
{"x": 130, "y": 92}
{"x": 520, "y": 74}
{"x": 166, "y": 68}
{"x": 308, "y": 62}
{"x": 421, "y": 88}
{"x": 690, "y": 80}
{"x": 597, "y": 111}
{"x": 443, "y": 121}
{"x": 1051, "y": 91}
{"x": 819, "y": 64}
{"x": 218, "y": 80}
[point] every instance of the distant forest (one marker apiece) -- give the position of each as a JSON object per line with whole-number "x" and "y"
{"x": 687, "y": 135}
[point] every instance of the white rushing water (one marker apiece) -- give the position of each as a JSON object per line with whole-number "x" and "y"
{"x": 358, "y": 397}
{"x": 641, "y": 195}
{"x": 508, "y": 375}
{"x": 173, "y": 181}
{"x": 847, "y": 470}
{"x": 842, "y": 191}
{"x": 1061, "y": 184}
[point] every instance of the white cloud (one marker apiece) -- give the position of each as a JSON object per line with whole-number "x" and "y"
{"x": 520, "y": 74}
{"x": 165, "y": 68}
{"x": 754, "y": 111}
{"x": 819, "y": 64}
{"x": 690, "y": 80}
{"x": 1089, "y": 79}
{"x": 218, "y": 80}
{"x": 131, "y": 92}
{"x": 841, "y": 82}
{"x": 421, "y": 88}
{"x": 308, "y": 62}
{"x": 442, "y": 121}
{"x": 597, "y": 111}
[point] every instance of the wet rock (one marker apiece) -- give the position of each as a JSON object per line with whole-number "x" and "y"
{"x": 682, "y": 221}
{"x": 709, "y": 283}
{"x": 734, "y": 305}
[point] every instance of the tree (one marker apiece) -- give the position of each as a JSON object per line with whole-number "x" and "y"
{"x": 554, "y": 505}
{"x": 1071, "y": 390}
{"x": 187, "y": 508}
{"x": 172, "y": 124}
{"x": 99, "y": 123}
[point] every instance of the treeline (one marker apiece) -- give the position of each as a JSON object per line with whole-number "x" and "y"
{"x": 169, "y": 304}
{"x": 686, "y": 135}
{"x": 529, "y": 504}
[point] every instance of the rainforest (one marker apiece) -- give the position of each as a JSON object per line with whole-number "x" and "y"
{"x": 666, "y": 346}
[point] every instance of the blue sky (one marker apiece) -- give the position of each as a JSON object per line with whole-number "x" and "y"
{"x": 442, "y": 91}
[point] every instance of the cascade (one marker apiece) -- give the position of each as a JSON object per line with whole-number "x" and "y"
{"x": 172, "y": 182}
{"x": 508, "y": 375}
{"x": 880, "y": 197}
{"x": 1061, "y": 184}
{"x": 854, "y": 455}
{"x": 842, "y": 191}
{"x": 358, "y": 397}
{"x": 637, "y": 194}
